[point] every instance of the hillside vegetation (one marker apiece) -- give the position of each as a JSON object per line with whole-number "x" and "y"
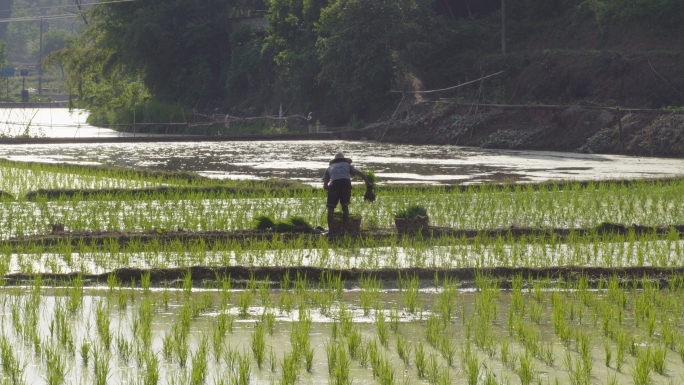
{"x": 160, "y": 59}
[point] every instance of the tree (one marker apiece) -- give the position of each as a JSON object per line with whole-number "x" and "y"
{"x": 4, "y": 54}
{"x": 181, "y": 49}
{"x": 20, "y": 34}
{"x": 5, "y": 13}
{"x": 292, "y": 37}
{"x": 243, "y": 72}
{"x": 361, "y": 45}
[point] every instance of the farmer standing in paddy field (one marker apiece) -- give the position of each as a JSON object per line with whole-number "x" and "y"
{"x": 337, "y": 182}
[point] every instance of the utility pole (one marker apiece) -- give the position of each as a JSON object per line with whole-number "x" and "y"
{"x": 40, "y": 61}
{"x": 503, "y": 27}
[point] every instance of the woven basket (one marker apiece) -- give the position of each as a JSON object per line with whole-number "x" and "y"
{"x": 412, "y": 225}
{"x": 353, "y": 224}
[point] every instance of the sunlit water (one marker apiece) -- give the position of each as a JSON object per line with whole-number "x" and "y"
{"x": 607, "y": 254}
{"x": 306, "y": 160}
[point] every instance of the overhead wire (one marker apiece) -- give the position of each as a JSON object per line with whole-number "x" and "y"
{"x": 73, "y": 5}
{"x": 60, "y": 16}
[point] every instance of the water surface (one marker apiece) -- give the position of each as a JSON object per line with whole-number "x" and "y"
{"x": 306, "y": 160}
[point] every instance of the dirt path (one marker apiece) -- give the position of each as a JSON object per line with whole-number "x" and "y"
{"x": 246, "y": 237}
{"x": 464, "y": 276}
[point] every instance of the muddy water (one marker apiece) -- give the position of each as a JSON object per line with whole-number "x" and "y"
{"x": 123, "y": 305}
{"x": 306, "y": 160}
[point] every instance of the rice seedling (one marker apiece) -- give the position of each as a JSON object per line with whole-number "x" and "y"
{"x": 364, "y": 354}
{"x": 151, "y": 373}
{"x": 146, "y": 281}
{"x": 609, "y": 352}
{"x": 259, "y": 344}
{"x": 331, "y": 354}
{"x": 244, "y": 301}
{"x": 273, "y": 360}
{"x": 243, "y": 374}
{"x": 338, "y": 364}
{"x": 419, "y": 360}
{"x": 75, "y": 294}
{"x": 394, "y": 320}
{"x": 101, "y": 368}
{"x": 409, "y": 288}
{"x": 56, "y": 367}
{"x": 447, "y": 349}
{"x": 404, "y": 350}
{"x": 370, "y": 293}
{"x": 658, "y": 359}
{"x": 354, "y": 343}
{"x": 308, "y": 360}
{"x": 383, "y": 333}
{"x": 198, "y": 372}
{"x": 187, "y": 283}
{"x": 289, "y": 369}
{"x": 123, "y": 348}
{"x": 471, "y": 364}
{"x": 506, "y": 358}
{"x": 84, "y": 352}
{"x": 641, "y": 372}
{"x": 526, "y": 369}
{"x": 102, "y": 322}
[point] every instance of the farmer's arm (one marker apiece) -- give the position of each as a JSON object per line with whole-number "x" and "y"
{"x": 326, "y": 180}
{"x": 360, "y": 175}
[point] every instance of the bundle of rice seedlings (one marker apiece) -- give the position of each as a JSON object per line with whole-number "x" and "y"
{"x": 284, "y": 227}
{"x": 412, "y": 212}
{"x": 264, "y": 223}
{"x": 300, "y": 224}
{"x": 369, "y": 196}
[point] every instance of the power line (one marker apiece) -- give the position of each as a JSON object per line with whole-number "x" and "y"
{"x": 36, "y": 18}
{"x": 61, "y": 16}
{"x": 70, "y": 5}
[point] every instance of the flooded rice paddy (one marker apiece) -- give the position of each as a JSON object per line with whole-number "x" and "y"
{"x": 468, "y": 210}
{"x": 607, "y": 331}
{"x": 537, "y": 332}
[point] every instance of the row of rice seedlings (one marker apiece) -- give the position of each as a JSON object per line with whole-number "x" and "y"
{"x": 617, "y": 251}
{"x": 477, "y": 208}
{"x": 427, "y": 360}
{"x": 579, "y": 370}
{"x": 610, "y": 312}
{"x": 20, "y": 177}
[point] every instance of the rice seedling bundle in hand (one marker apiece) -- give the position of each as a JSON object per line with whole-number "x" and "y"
{"x": 369, "y": 196}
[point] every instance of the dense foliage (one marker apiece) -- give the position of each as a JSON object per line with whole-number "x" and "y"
{"x": 336, "y": 58}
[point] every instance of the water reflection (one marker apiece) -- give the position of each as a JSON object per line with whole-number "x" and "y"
{"x": 306, "y": 161}
{"x": 50, "y": 123}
